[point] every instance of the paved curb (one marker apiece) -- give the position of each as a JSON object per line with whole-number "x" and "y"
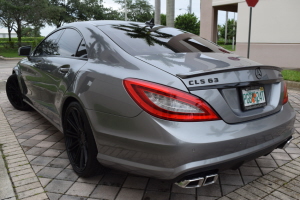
{"x": 293, "y": 84}
{"x": 26, "y": 183}
{"x": 6, "y": 189}
{"x": 4, "y": 58}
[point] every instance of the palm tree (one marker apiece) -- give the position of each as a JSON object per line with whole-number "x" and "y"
{"x": 151, "y": 36}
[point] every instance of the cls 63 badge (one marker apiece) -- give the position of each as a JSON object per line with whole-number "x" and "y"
{"x": 203, "y": 81}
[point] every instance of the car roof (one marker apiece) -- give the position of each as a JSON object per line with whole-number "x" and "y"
{"x": 104, "y": 22}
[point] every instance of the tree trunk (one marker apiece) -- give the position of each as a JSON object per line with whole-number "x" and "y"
{"x": 9, "y": 35}
{"x": 170, "y": 12}
{"x": 18, "y": 30}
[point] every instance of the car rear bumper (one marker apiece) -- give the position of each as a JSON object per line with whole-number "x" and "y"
{"x": 170, "y": 150}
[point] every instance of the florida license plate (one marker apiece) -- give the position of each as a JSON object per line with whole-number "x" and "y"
{"x": 253, "y": 97}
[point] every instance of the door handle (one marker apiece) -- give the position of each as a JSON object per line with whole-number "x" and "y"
{"x": 64, "y": 69}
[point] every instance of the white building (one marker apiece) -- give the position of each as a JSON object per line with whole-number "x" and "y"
{"x": 4, "y": 33}
{"x": 275, "y": 35}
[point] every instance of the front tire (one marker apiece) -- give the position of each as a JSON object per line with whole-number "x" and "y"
{"x": 80, "y": 143}
{"x": 14, "y": 94}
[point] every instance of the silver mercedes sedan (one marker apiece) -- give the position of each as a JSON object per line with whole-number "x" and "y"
{"x": 152, "y": 100}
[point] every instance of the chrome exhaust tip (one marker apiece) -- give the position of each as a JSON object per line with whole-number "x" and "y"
{"x": 286, "y": 144}
{"x": 198, "y": 182}
{"x": 211, "y": 179}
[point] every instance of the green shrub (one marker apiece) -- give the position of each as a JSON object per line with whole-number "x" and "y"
{"x": 8, "y": 44}
{"x": 291, "y": 75}
{"x": 3, "y": 40}
{"x": 26, "y": 41}
{"x": 220, "y": 42}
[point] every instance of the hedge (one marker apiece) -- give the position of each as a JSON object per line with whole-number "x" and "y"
{"x": 23, "y": 38}
{"x": 26, "y": 41}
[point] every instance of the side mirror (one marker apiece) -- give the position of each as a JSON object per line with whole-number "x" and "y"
{"x": 24, "y": 51}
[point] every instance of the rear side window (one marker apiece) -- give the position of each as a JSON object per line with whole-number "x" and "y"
{"x": 69, "y": 43}
{"x": 49, "y": 45}
{"x": 81, "y": 52}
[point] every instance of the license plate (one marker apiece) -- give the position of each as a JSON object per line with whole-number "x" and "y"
{"x": 253, "y": 97}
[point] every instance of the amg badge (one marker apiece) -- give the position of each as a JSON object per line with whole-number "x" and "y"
{"x": 203, "y": 81}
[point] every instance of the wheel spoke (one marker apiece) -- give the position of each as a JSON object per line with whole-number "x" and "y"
{"x": 75, "y": 128}
{"x": 77, "y": 155}
{"x": 81, "y": 158}
{"x": 71, "y": 134}
{"x": 77, "y": 145}
{"x": 85, "y": 154}
{"x": 73, "y": 146}
{"x": 77, "y": 119}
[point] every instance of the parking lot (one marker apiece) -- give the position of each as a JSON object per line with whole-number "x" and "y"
{"x": 36, "y": 158}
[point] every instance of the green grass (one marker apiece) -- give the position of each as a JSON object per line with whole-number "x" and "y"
{"x": 228, "y": 47}
{"x": 291, "y": 75}
{"x": 9, "y": 53}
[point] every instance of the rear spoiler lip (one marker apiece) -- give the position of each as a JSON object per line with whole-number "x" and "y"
{"x": 230, "y": 69}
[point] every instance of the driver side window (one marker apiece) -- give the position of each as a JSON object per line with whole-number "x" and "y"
{"x": 49, "y": 45}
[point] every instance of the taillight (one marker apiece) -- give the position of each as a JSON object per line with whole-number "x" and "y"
{"x": 285, "y": 94}
{"x": 168, "y": 103}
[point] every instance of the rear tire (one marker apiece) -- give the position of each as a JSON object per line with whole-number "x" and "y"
{"x": 15, "y": 95}
{"x": 80, "y": 143}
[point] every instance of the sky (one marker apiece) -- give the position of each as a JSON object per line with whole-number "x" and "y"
{"x": 181, "y": 7}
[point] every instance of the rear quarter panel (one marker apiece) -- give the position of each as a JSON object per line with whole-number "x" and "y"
{"x": 99, "y": 84}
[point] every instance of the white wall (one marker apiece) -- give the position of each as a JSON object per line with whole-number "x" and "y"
{"x": 273, "y": 21}
{"x": 4, "y": 33}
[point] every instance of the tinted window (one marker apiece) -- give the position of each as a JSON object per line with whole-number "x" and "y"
{"x": 81, "y": 52}
{"x": 69, "y": 43}
{"x": 49, "y": 45}
{"x": 137, "y": 39}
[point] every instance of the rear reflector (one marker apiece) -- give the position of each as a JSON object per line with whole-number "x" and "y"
{"x": 168, "y": 103}
{"x": 285, "y": 94}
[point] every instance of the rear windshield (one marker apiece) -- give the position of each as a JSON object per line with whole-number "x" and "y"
{"x": 138, "y": 39}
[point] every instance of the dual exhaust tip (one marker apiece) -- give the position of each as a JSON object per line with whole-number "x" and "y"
{"x": 211, "y": 179}
{"x": 198, "y": 182}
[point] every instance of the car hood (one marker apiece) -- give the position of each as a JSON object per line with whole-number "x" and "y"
{"x": 186, "y": 63}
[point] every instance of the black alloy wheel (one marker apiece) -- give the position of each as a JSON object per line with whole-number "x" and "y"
{"x": 80, "y": 143}
{"x": 15, "y": 95}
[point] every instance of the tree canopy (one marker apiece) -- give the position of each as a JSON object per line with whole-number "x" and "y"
{"x": 188, "y": 22}
{"x": 138, "y": 10}
{"x": 26, "y": 17}
{"x": 231, "y": 30}
{"x": 163, "y": 19}
{"x": 31, "y": 32}
{"x": 19, "y": 13}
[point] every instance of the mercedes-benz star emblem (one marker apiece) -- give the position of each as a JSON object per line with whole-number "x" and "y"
{"x": 258, "y": 73}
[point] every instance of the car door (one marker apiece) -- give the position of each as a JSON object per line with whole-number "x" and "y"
{"x": 30, "y": 68}
{"x": 59, "y": 70}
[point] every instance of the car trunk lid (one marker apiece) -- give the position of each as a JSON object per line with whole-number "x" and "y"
{"x": 227, "y": 82}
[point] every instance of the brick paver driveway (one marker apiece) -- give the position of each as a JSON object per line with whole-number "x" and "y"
{"x": 45, "y": 172}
